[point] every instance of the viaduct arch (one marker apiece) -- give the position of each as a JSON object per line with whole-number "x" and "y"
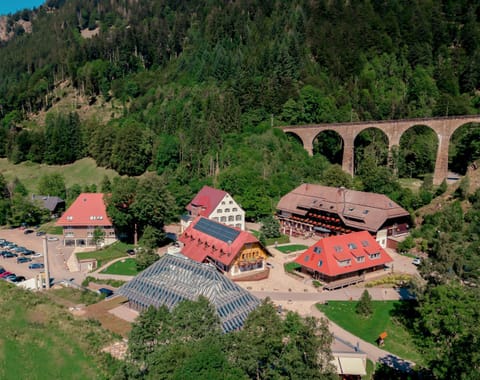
{"x": 444, "y": 127}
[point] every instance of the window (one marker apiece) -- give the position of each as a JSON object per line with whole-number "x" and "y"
{"x": 364, "y": 243}
{"x": 223, "y": 202}
{"x": 69, "y": 234}
{"x": 365, "y": 212}
{"x": 234, "y": 209}
{"x": 317, "y": 250}
{"x": 231, "y": 218}
{"x": 69, "y": 217}
{"x": 230, "y": 202}
{"x": 352, "y": 246}
{"x": 374, "y": 256}
{"x": 215, "y": 219}
{"x": 307, "y": 257}
{"x": 227, "y": 210}
{"x": 223, "y": 219}
{"x": 219, "y": 211}
{"x": 320, "y": 263}
{"x": 337, "y": 248}
{"x": 238, "y": 217}
{"x": 360, "y": 259}
{"x": 344, "y": 263}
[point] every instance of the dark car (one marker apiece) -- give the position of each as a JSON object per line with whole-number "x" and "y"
{"x": 21, "y": 260}
{"x": 130, "y": 252}
{"x": 40, "y": 233}
{"x": 105, "y": 291}
{"x": 35, "y": 266}
{"x": 8, "y": 255}
{"x": 18, "y": 279}
{"x": 10, "y": 277}
{"x": 29, "y": 231}
{"x": 28, "y": 252}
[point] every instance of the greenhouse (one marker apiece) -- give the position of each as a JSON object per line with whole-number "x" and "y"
{"x": 175, "y": 278}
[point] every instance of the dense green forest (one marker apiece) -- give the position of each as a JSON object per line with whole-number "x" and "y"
{"x": 202, "y": 84}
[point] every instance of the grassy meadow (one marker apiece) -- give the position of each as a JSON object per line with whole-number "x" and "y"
{"x": 399, "y": 341}
{"x": 82, "y": 172}
{"x": 103, "y": 256}
{"x": 40, "y": 340}
{"x": 126, "y": 267}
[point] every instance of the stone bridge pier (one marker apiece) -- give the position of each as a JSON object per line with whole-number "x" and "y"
{"x": 444, "y": 127}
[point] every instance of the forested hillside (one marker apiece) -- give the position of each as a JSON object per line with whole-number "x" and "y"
{"x": 200, "y": 86}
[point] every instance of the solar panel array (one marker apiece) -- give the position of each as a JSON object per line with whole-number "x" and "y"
{"x": 216, "y": 230}
{"x": 175, "y": 278}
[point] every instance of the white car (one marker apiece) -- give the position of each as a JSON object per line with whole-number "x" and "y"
{"x": 52, "y": 238}
{"x": 36, "y": 255}
{"x": 416, "y": 261}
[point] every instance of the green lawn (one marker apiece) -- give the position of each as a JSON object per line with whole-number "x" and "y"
{"x": 292, "y": 248}
{"x": 107, "y": 254}
{"x": 127, "y": 267}
{"x": 40, "y": 340}
{"x": 82, "y": 172}
{"x": 398, "y": 342}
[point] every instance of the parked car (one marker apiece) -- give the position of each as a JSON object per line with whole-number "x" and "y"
{"x": 29, "y": 231}
{"x": 130, "y": 252}
{"x": 36, "y": 266}
{"x": 28, "y": 252}
{"x": 52, "y": 238}
{"x": 18, "y": 279}
{"x": 8, "y": 255}
{"x": 10, "y": 277}
{"x": 40, "y": 233}
{"x": 416, "y": 261}
{"x": 22, "y": 260}
{"x": 5, "y": 274}
{"x": 36, "y": 255}
{"x": 105, "y": 291}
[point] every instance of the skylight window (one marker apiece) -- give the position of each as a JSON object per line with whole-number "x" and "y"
{"x": 365, "y": 212}
{"x": 365, "y": 243}
{"x": 337, "y": 248}
{"x": 307, "y": 257}
{"x": 352, "y": 246}
{"x": 317, "y": 249}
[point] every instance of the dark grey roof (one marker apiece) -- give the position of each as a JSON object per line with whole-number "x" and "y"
{"x": 49, "y": 202}
{"x": 217, "y": 230}
{"x": 175, "y": 278}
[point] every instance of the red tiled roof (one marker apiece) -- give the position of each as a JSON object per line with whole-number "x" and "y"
{"x": 356, "y": 209}
{"x": 324, "y": 255}
{"x": 198, "y": 245}
{"x": 87, "y": 210}
{"x": 207, "y": 199}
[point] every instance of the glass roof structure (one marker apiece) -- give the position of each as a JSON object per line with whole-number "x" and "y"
{"x": 216, "y": 230}
{"x": 175, "y": 278}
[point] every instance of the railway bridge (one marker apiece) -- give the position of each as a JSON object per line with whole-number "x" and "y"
{"x": 444, "y": 127}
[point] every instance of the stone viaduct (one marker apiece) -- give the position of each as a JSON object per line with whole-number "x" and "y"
{"x": 393, "y": 129}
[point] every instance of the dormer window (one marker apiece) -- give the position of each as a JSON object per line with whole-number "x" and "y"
{"x": 343, "y": 263}
{"x": 352, "y": 246}
{"x": 360, "y": 259}
{"x": 374, "y": 256}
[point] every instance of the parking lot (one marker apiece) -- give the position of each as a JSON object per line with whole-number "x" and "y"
{"x": 57, "y": 255}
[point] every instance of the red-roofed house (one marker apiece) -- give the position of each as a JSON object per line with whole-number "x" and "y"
{"x": 87, "y": 213}
{"x": 230, "y": 249}
{"x": 216, "y": 205}
{"x": 343, "y": 258}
